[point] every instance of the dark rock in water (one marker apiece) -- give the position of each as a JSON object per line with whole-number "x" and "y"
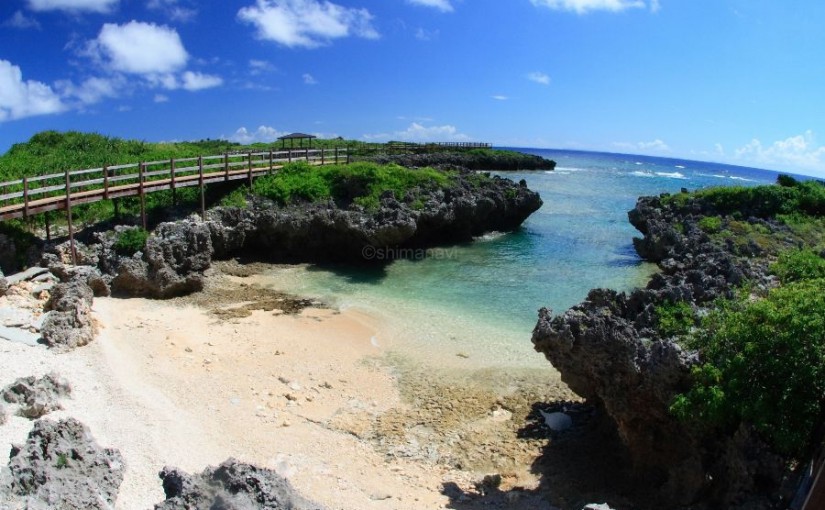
{"x": 61, "y": 466}
{"x": 610, "y": 351}
{"x": 69, "y": 324}
{"x": 468, "y": 160}
{"x": 37, "y": 397}
{"x": 328, "y": 232}
{"x": 231, "y": 486}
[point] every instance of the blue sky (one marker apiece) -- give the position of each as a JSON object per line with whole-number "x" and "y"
{"x": 736, "y": 81}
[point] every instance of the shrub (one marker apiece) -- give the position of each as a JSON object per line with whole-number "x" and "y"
{"x": 674, "y": 318}
{"x": 236, "y": 198}
{"x": 710, "y": 224}
{"x": 795, "y": 265}
{"x": 764, "y": 364}
{"x": 131, "y": 241}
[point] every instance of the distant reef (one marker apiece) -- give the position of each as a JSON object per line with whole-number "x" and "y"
{"x": 701, "y": 372}
{"x": 474, "y": 159}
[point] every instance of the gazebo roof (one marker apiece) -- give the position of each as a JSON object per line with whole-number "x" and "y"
{"x": 294, "y": 136}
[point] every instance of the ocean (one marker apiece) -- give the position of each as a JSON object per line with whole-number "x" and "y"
{"x": 480, "y": 300}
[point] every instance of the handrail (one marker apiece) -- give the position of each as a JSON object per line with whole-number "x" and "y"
{"x": 36, "y": 194}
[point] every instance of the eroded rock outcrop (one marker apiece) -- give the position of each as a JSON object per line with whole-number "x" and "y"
{"x": 483, "y": 160}
{"x": 232, "y": 486}
{"x": 37, "y": 397}
{"x": 69, "y": 323}
{"x": 610, "y": 351}
{"x": 61, "y": 466}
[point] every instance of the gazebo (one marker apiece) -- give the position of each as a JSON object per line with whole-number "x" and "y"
{"x": 296, "y": 136}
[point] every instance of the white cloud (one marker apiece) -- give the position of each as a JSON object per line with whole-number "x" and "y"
{"x": 173, "y": 9}
{"x": 140, "y": 48}
{"x": 499, "y": 97}
{"x": 197, "y": 81}
{"x": 19, "y": 99}
{"x": 799, "y": 153}
{"x": 306, "y": 23}
{"x": 19, "y": 20}
{"x": 161, "y": 98}
{"x": 426, "y": 35}
{"x": 309, "y": 79}
{"x": 584, "y": 6}
{"x": 419, "y": 133}
{"x": 654, "y": 146}
{"x": 72, "y": 5}
{"x": 90, "y": 91}
{"x": 259, "y": 67}
{"x": 540, "y": 78}
{"x": 655, "y": 6}
{"x": 441, "y": 5}
{"x": 264, "y": 134}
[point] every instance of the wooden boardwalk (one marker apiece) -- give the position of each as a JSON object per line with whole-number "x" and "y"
{"x": 34, "y": 195}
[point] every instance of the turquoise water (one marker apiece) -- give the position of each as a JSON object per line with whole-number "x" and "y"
{"x": 482, "y": 297}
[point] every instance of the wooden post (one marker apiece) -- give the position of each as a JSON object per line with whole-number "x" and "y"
{"x": 69, "y": 217}
{"x": 270, "y": 161}
{"x": 306, "y": 154}
{"x": 200, "y": 184}
{"x": 48, "y": 229}
{"x": 172, "y": 183}
{"x": 323, "y": 151}
{"x": 25, "y": 197}
{"x": 336, "y": 155}
{"x": 105, "y": 182}
{"x": 250, "y": 169}
{"x": 141, "y": 169}
{"x": 348, "y": 156}
{"x": 289, "y": 152}
{"x": 225, "y": 166}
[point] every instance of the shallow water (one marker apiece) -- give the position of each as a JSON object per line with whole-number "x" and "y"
{"x": 480, "y": 299}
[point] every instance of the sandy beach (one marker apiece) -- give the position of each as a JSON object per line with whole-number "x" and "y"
{"x": 230, "y": 372}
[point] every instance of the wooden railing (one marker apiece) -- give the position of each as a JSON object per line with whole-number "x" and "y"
{"x": 38, "y": 194}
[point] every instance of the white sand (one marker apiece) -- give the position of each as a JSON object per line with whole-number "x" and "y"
{"x": 170, "y": 385}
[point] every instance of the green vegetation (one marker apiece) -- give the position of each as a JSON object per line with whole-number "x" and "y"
{"x": 800, "y": 264}
{"x": 131, "y": 241}
{"x": 360, "y": 183}
{"x": 763, "y": 363}
{"x": 235, "y": 198}
{"x": 62, "y": 461}
{"x": 806, "y": 197}
{"x": 51, "y": 152}
{"x": 711, "y": 224}
{"x": 762, "y": 356}
{"x": 674, "y": 319}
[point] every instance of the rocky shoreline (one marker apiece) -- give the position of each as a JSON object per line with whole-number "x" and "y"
{"x": 610, "y": 351}
{"x": 481, "y": 160}
{"x": 78, "y": 473}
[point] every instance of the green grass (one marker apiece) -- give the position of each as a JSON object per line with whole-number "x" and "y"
{"x": 359, "y": 183}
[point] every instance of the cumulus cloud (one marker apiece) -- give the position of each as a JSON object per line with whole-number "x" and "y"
{"x": 19, "y": 99}
{"x": 419, "y": 133}
{"x": 800, "y": 152}
{"x": 441, "y": 5}
{"x": 654, "y": 146}
{"x": 21, "y": 21}
{"x": 584, "y": 6}
{"x": 140, "y": 48}
{"x": 198, "y": 81}
{"x": 264, "y": 134}
{"x": 306, "y": 23}
{"x": 539, "y": 78}
{"x": 73, "y": 5}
